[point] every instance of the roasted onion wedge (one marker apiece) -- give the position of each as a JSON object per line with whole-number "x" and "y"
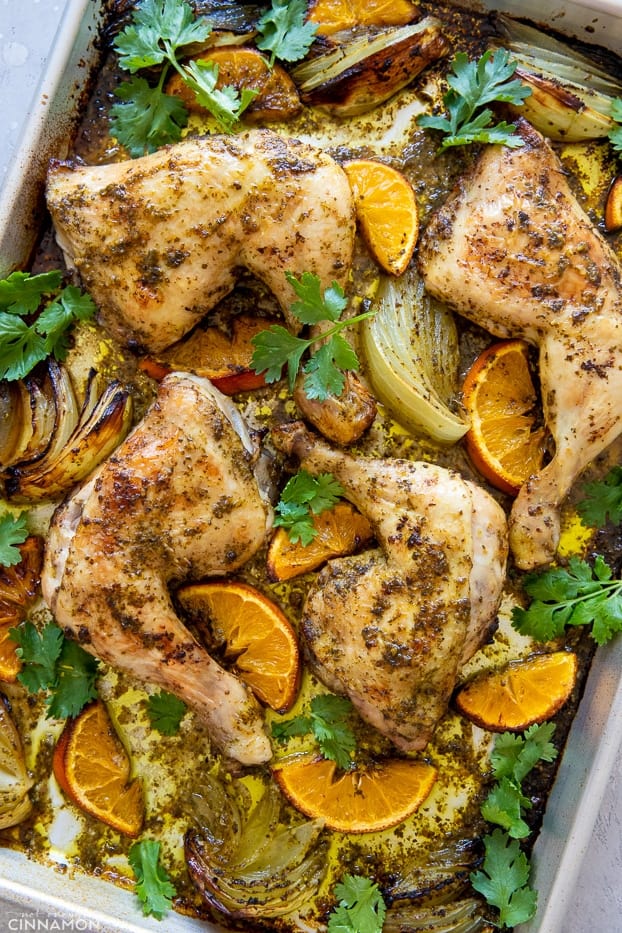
{"x": 15, "y": 782}
{"x": 365, "y": 69}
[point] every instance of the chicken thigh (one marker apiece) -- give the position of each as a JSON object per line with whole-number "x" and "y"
{"x": 512, "y": 250}
{"x": 178, "y": 500}
{"x": 392, "y": 627}
{"x": 159, "y": 240}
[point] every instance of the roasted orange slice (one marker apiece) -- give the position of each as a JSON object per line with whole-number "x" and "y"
{"x": 337, "y": 15}
{"x": 18, "y": 588}
{"x": 243, "y": 67}
{"x": 92, "y": 766}
{"x": 256, "y": 634}
{"x": 506, "y": 440}
{"x": 341, "y": 530}
{"x": 519, "y": 694}
{"x": 386, "y": 211}
{"x": 359, "y": 801}
{"x": 222, "y": 356}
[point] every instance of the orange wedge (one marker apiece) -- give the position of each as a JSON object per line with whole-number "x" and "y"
{"x": 341, "y": 530}
{"x": 92, "y": 766}
{"x": 506, "y": 440}
{"x": 386, "y": 211}
{"x": 18, "y": 588}
{"x": 519, "y": 694}
{"x": 337, "y": 15}
{"x": 256, "y": 634}
{"x": 242, "y": 67}
{"x": 359, "y": 801}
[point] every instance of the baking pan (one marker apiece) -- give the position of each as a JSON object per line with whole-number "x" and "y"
{"x": 83, "y": 902}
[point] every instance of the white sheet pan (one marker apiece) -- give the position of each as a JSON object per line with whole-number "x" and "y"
{"x": 596, "y": 734}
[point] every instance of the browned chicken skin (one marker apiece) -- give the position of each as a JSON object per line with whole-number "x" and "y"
{"x": 159, "y": 240}
{"x": 512, "y": 250}
{"x": 392, "y": 627}
{"x": 178, "y": 500}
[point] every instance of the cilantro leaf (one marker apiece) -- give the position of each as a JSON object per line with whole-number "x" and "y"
{"x": 503, "y": 879}
{"x": 504, "y": 805}
{"x": 225, "y": 104}
{"x": 157, "y": 30}
{"x": 284, "y": 32}
{"x": 13, "y": 531}
{"x": 514, "y": 756}
{"x": 23, "y": 344}
{"x": 153, "y": 885}
{"x": 76, "y": 671}
{"x": 276, "y": 348}
{"x": 327, "y": 722}
{"x": 472, "y": 85}
{"x": 603, "y": 498}
{"x": 22, "y": 293}
{"x": 146, "y": 118}
{"x": 39, "y": 652}
{"x": 305, "y": 495}
{"x": 578, "y": 595}
{"x": 165, "y": 712}
{"x": 615, "y": 134}
{"x": 361, "y": 907}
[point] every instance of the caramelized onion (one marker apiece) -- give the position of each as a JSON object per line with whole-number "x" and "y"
{"x": 411, "y": 347}
{"x": 15, "y": 781}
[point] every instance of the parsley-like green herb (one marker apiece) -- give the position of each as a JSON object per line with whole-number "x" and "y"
{"x": 361, "y": 907}
{"x": 165, "y": 712}
{"x": 603, "y": 499}
{"x": 302, "y": 497}
{"x": 473, "y": 85}
{"x": 577, "y": 595}
{"x": 25, "y": 342}
{"x": 503, "y": 880}
{"x": 153, "y": 885}
{"x": 59, "y": 665}
{"x": 284, "y": 32}
{"x": 276, "y": 348}
{"x": 13, "y": 531}
{"x": 327, "y": 721}
{"x": 147, "y": 118}
{"x": 615, "y": 134}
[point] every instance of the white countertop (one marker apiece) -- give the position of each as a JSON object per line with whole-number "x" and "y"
{"x": 27, "y": 29}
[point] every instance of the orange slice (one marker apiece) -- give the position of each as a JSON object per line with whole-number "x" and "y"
{"x": 519, "y": 694}
{"x": 242, "y": 67}
{"x": 386, "y": 211}
{"x": 257, "y": 636}
{"x": 506, "y": 441}
{"x": 341, "y": 530}
{"x": 359, "y": 801}
{"x": 18, "y": 588}
{"x": 92, "y": 766}
{"x": 337, "y": 15}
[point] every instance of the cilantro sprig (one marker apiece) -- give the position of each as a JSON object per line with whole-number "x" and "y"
{"x": 146, "y": 117}
{"x": 504, "y": 876}
{"x": 304, "y": 496}
{"x": 165, "y": 712}
{"x": 28, "y": 337}
{"x": 276, "y": 348}
{"x": 13, "y": 531}
{"x": 284, "y": 32}
{"x": 580, "y": 594}
{"x": 603, "y": 498}
{"x": 328, "y": 723}
{"x": 361, "y": 907}
{"x": 615, "y": 134}
{"x": 473, "y": 85}
{"x": 154, "y": 888}
{"x": 56, "y": 664}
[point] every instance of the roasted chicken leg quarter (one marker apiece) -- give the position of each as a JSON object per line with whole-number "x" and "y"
{"x": 178, "y": 500}
{"x": 513, "y": 250}
{"x": 159, "y": 240}
{"x": 392, "y": 627}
